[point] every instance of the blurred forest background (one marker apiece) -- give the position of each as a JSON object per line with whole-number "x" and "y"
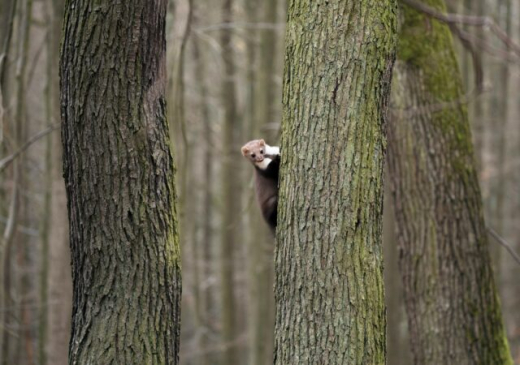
{"x": 225, "y": 69}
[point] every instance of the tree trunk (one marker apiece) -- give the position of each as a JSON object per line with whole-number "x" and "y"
{"x": 59, "y": 279}
{"x": 230, "y": 193}
{"x": 497, "y": 130}
{"x": 46, "y": 213}
{"x": 17, "y": 332}
{"x": 478, "y": 105}
{"x": 452, "y": 304}
{"x": 207, "y": 203}
{"x": 509, "y": 287}
{"x": 329, "y": 273}
{"x": 267, "y": 91}
{"x": 119, "y": 177}
{"x": 261, "y": 242}
{"x": 7, "y": 11}
{"x": 397, "y": 334}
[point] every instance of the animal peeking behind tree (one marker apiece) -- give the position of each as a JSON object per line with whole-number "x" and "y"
{"x": 266, "y": 160}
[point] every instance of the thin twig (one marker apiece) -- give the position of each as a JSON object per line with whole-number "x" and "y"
{"x": 475, "y": 57}
{"x": 6, "y": 161}
{"x": 468, "y": 42}
{"x": 504, "y": 243}
{"x": 35, "y": 62}
{"x": 28, "y": 231}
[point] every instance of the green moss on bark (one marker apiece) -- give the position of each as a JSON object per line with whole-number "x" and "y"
{"x": 454, "y": 313}
{"x": 329, "y": 283}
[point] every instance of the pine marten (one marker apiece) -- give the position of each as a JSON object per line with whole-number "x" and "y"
{"x": 266, "y": 160}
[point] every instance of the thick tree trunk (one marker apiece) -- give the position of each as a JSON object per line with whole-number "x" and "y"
{"x": 119, "y": 176}
{"x": 452, "y": 304}
{"x": 329, "y": 275}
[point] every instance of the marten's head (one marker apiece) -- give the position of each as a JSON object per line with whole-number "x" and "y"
{"x": 254, "y": 151}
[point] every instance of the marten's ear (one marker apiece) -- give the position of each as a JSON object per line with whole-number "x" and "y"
{"x": 262, "y": 142}
{"x": 245, "y": 151}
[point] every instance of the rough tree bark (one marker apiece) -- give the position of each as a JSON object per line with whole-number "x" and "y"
{"x": 452, "y": 304}
{"x": 329, "y": 275}
{"x": 119, "y": 177}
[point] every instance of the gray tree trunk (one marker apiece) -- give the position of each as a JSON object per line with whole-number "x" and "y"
{"x": 230, "y": 194}
{"x": 398, "y": 338}
{"x": 261, "y": 242}
{"x": 58, "y": 305}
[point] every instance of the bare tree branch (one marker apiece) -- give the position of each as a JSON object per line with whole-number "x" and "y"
{"x": 471, "y": 20}
{"x": 6, "y": 161}
{"x": 243, "y": 25}
{"x": 475, "y": 56}
{"x": 504, "y": 243}
{"x": 469, "y": 42}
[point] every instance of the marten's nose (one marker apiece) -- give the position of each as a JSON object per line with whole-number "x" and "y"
{"x": 259, "y": 158}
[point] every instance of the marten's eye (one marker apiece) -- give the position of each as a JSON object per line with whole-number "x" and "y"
{"x": 253, "y": 155}
{"x": 262, "y": 152}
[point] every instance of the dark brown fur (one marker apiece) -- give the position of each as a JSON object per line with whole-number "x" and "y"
{"x": 266, "y": 179}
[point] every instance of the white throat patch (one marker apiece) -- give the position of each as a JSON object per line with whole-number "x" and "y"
{"x": 264, "y": 164}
